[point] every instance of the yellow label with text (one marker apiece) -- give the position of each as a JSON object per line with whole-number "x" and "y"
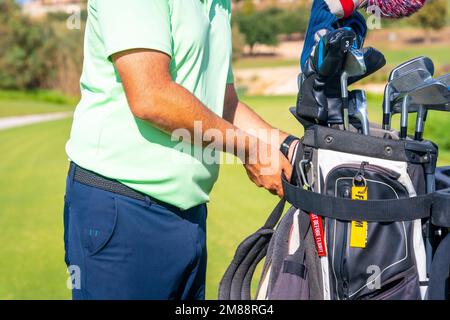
{"x": 358, "y": 231}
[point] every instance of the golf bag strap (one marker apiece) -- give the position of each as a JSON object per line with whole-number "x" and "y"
{"x": 440, "y": 272}
{"x": 236, "y": 282}
{"x": 406, "y": 209}
{"x": 296, "y": 265}
{"x": 441, "y": 208}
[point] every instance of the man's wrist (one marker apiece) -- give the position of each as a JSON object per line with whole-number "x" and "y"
{"x": 286, "y": 145}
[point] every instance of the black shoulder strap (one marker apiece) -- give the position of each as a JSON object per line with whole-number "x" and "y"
{"x": 370, "y": 210}
{"x": 236, "y": 282}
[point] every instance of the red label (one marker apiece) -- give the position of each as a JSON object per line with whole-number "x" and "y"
{"x": 316, "y": 225}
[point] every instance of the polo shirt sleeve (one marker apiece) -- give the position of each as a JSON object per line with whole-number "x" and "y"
{"x": 134, "y": 24}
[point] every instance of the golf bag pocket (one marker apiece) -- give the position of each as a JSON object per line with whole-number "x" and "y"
{"x": 401, "y": 286}
{"x": 292, "y": 282}
{"x": 359, "y": 264}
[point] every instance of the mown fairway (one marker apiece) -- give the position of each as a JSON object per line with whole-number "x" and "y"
{"x": 32, "y": 176}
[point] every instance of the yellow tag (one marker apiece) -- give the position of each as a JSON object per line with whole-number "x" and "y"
{"x": 359, "y": 193}
{"x": 358, "y": 231}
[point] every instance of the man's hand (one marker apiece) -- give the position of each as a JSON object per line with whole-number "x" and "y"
{"x": 268, "y": 176}
{"x": 247, "y": 120}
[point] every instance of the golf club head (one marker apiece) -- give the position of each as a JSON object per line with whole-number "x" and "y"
{"x": 410, "y": 80}
{"x": 374, "y": 61}
{"x": 435, "y": 95}
{"x": 358, "y": 109}
{"x": 354, "y": 65}
{"x": 421, "y": 62}
{"x": 432, "y": 95}
{"x": 444, "y": 79}
{"x": 400, "y": 88}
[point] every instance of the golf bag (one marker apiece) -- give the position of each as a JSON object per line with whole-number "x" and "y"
{"x": 358, "y": 227}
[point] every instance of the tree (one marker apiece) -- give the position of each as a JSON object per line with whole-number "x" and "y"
{"x": 25, "y": 49}
{"x": 38, "y": 54}
{"x": 292, "y": 21}
{"x": 431, "y": 17}
{"x": 258, "y": 27}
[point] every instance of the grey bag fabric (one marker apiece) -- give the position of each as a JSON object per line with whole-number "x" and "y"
{"x": 291, "y": 285}
{"x": 291, "y": 281}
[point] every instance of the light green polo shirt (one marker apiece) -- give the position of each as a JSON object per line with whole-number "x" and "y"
{"x": 106, "y": 138}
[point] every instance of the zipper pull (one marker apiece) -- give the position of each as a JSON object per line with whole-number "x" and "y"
{"x": 359, "y": 177}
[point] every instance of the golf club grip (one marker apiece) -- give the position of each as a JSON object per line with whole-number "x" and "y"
{"x": 386, "y": 121}
{"x": 403, "y": 132}
{"x": 418, "y": 136}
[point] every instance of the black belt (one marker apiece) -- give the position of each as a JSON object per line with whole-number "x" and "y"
{"x": 95, "y": 180}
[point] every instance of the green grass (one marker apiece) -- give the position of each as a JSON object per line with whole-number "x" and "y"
{"x": 13, "y": 103}
{"x": 32, "y": 171}
{"x": 264, "y": 62}
{"x": 33, "y": 167}
{"x": 439, "y": 55}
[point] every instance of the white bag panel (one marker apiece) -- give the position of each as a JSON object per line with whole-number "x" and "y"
{"x": 420, "y": 255}
{"x": 329, "y": 159}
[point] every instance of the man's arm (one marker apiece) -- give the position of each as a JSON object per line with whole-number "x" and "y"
{"x": 243, "y": 117}
{"x": 154, "y": 97}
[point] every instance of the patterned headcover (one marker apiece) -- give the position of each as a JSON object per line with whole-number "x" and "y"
{"x": 394, "y": 9}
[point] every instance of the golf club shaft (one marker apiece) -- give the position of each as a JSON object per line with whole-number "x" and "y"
{"x": 387, "y": 108}
{"x": 344, "y": 94}
{"x": 420, "y": 123}
{"x": 404, "y": 118}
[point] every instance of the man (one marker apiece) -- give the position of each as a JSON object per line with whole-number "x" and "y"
{"x": 135, "y": 210}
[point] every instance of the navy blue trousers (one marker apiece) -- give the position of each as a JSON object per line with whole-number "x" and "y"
{"x": 121, "y": 248}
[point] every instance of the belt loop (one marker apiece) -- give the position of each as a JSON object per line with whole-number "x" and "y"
{"x": 148, "y": 201}
{"x": 72, "y": 168}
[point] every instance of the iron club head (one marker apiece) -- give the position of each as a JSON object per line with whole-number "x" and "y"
{"x": 421, "y": 62}
{"x": 358, "y": 109}
{"x": 432, "y": 95}
{"x": 401, "y": 86}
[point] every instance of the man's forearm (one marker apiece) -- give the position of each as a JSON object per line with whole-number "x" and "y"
{"x": 249, "y": 121}
{"x": 173, "y": 107}
{"x": 243, "y": 117}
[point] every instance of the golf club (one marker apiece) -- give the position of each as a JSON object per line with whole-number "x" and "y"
{"x": 402, "y": 85}
{"x": 421, "y": 62}
{"x": 432, "y": 95}
{"x": 358, "y": 109}
{"x": 444, "y": 79}
{"x": 374, "y": 61}
{"x": 353, "y": 66}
